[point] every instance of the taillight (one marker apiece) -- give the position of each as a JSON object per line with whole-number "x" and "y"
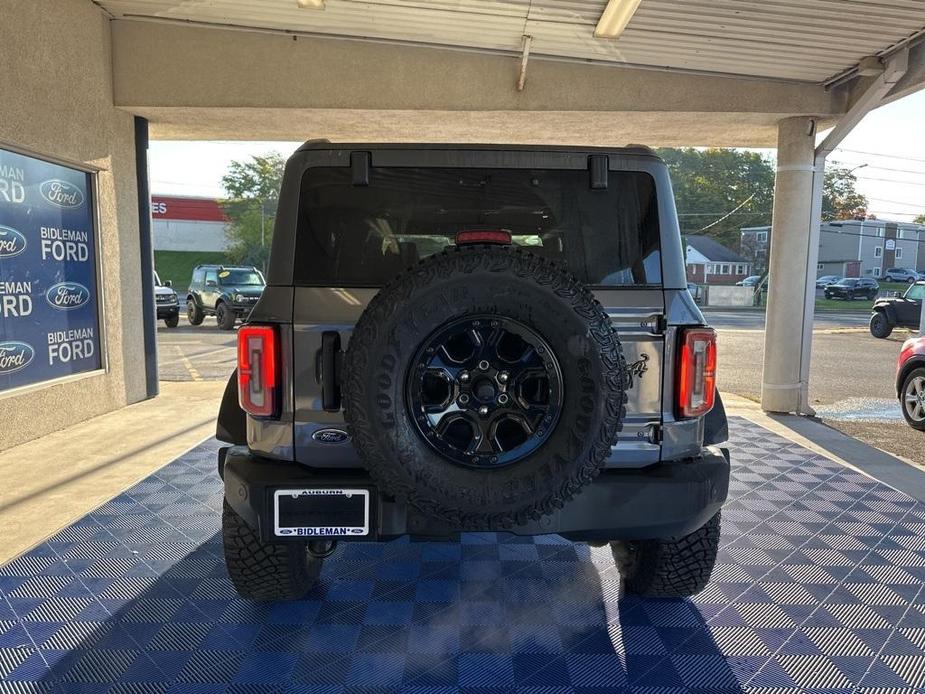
{"x": 258, "y": 360}
{"x": 697, "y": 372}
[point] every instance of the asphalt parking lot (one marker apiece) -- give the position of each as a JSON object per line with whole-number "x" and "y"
{"x": 195, "y": 353}
{"x": 852, "y": 380}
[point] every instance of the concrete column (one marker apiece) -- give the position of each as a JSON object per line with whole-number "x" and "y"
{"x": 794, "y": 254}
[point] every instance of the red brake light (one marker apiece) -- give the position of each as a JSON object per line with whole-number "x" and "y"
{"x": 483, "y": 236}
{"x": 697, "y": 372}
{"x": 258, "y": 352}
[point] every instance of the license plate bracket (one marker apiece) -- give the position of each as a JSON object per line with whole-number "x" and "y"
{"x": 320, "y": 512}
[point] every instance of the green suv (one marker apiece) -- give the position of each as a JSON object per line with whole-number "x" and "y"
{"x": 227, "y": 292}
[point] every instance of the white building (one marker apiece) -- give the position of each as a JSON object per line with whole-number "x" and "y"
{"x": 187, "y": 224}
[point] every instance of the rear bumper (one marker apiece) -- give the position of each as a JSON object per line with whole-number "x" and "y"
{"x": 663, "y": 501}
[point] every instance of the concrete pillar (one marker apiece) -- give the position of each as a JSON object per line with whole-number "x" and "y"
{"x": 793, "y": 259}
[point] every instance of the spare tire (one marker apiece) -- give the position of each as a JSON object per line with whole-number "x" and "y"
{"x": 484, "y": 386}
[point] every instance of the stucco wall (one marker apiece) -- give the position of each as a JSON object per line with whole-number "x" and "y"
{"x": 56, "y": 100}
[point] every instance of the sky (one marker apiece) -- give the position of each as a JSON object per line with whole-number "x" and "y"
{"x": 889, "y": 143}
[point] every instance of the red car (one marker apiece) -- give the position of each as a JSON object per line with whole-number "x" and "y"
{"x": 910, "y": 381}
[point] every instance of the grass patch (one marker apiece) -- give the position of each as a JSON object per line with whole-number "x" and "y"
{"x": 177, "y": 266}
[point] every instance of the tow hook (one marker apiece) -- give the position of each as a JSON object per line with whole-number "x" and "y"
{"x": 321, "y": 549}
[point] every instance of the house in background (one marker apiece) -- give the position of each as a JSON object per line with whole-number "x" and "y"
{"x": 853, "y": 248}
{"x": 710, "y": 262}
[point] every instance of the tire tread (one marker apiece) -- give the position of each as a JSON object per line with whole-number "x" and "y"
{"x": 263, "y": 571}
{"x": 525, "y": 266}
{"x": 664, "y": 569}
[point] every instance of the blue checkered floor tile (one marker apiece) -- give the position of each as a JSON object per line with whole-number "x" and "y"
{"x": 819, "y": 588}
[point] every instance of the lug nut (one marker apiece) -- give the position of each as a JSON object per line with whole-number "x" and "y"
{"x": 503, "y": 377}
{"x": 483, "y": 365}
{"x": 502, "y": 399}
{"x": 464, "y": 377}
{"x": 463, "y": 399}
{"x": 483, "y": 410}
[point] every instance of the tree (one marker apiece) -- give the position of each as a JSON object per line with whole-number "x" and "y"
{"x": 710, "y": 184}
{"x": 840, "y": 199}
{"x": 920, "y": 219}
{"x": 252, "y": 190}
{"x": 719, "y": 191}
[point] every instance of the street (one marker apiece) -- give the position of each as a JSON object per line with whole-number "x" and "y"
{"x": 851, "y": 381}
{"x": 852, "y": 377}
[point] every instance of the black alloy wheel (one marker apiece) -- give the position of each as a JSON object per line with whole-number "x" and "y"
{"x": 485, "y": 391}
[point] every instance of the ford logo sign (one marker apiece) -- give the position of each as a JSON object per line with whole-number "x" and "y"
{"x": 12, "y": 242}
{"x": 330, "y": 436}
{"x": 65, "y": 296}
{"x": 15, "y": 355}
{"x": 61, "y": 193}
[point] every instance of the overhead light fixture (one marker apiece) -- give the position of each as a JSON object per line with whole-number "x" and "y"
{"x": 310, "y": 4}
{"x": 615, "y": 17}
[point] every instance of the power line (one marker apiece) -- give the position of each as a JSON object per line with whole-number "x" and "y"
{"x": 732, "y": 212}
{"x": 920, "y": 172}
{"x": 880, "y": 154}
{"x": 891, "y": 180}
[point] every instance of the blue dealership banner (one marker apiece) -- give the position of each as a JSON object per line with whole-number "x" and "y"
{"x": 49, "y": 305}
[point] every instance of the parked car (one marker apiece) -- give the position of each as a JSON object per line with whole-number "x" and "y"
{"x": 826, "y": 280}
{"x": 899, "y": 311}
{"x": 482, "y": 386}
{"x": 750, "y": 281}
{"x": 228, "y": 292}
{"x": 910, "y": 381}
{"x": 165, "y": 299}
{"x": 900, "y": 274}
{"x": 851, "y": 288}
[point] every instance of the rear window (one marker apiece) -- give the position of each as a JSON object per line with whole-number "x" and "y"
{"x": 238, "y": 278}
{"x": 353, "y": 236}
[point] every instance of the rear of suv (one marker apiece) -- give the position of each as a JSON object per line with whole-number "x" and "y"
{"x": 463, "y": 338}
{"x": 228, "y": 292}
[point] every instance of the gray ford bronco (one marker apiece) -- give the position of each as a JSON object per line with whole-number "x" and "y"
{"x": 473, "y": 338}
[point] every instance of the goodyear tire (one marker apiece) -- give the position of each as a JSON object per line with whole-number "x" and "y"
{"x": 582, "y": 369}
{"x": 262, "y": 571}
{"x": 666, "y": 569}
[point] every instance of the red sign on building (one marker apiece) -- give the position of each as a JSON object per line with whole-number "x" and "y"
{"x": 181, "y": 208}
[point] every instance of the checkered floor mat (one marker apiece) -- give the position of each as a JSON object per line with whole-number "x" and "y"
{"x": 819, "y": 587}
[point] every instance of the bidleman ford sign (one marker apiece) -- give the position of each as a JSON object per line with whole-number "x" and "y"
{"x": 49, "y": 324}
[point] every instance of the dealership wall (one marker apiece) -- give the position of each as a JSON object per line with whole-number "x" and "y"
{"x": 56, "y": 96}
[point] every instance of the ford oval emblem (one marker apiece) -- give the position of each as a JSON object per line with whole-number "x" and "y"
{"x": 330, "y": 436}
{"x": 61, "y": 193}
{"x": 65, "y": 296}
{"x": 15, "y": 355}
{"x": 12, "y": 242}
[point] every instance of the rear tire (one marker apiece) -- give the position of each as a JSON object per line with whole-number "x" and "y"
{"x": 263, "y": 571}
{"x": 225, "y": 316}
{"x": 880, "y": 325}
{"x": 193, "y": 313}
{"x": 663, "y": 569}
